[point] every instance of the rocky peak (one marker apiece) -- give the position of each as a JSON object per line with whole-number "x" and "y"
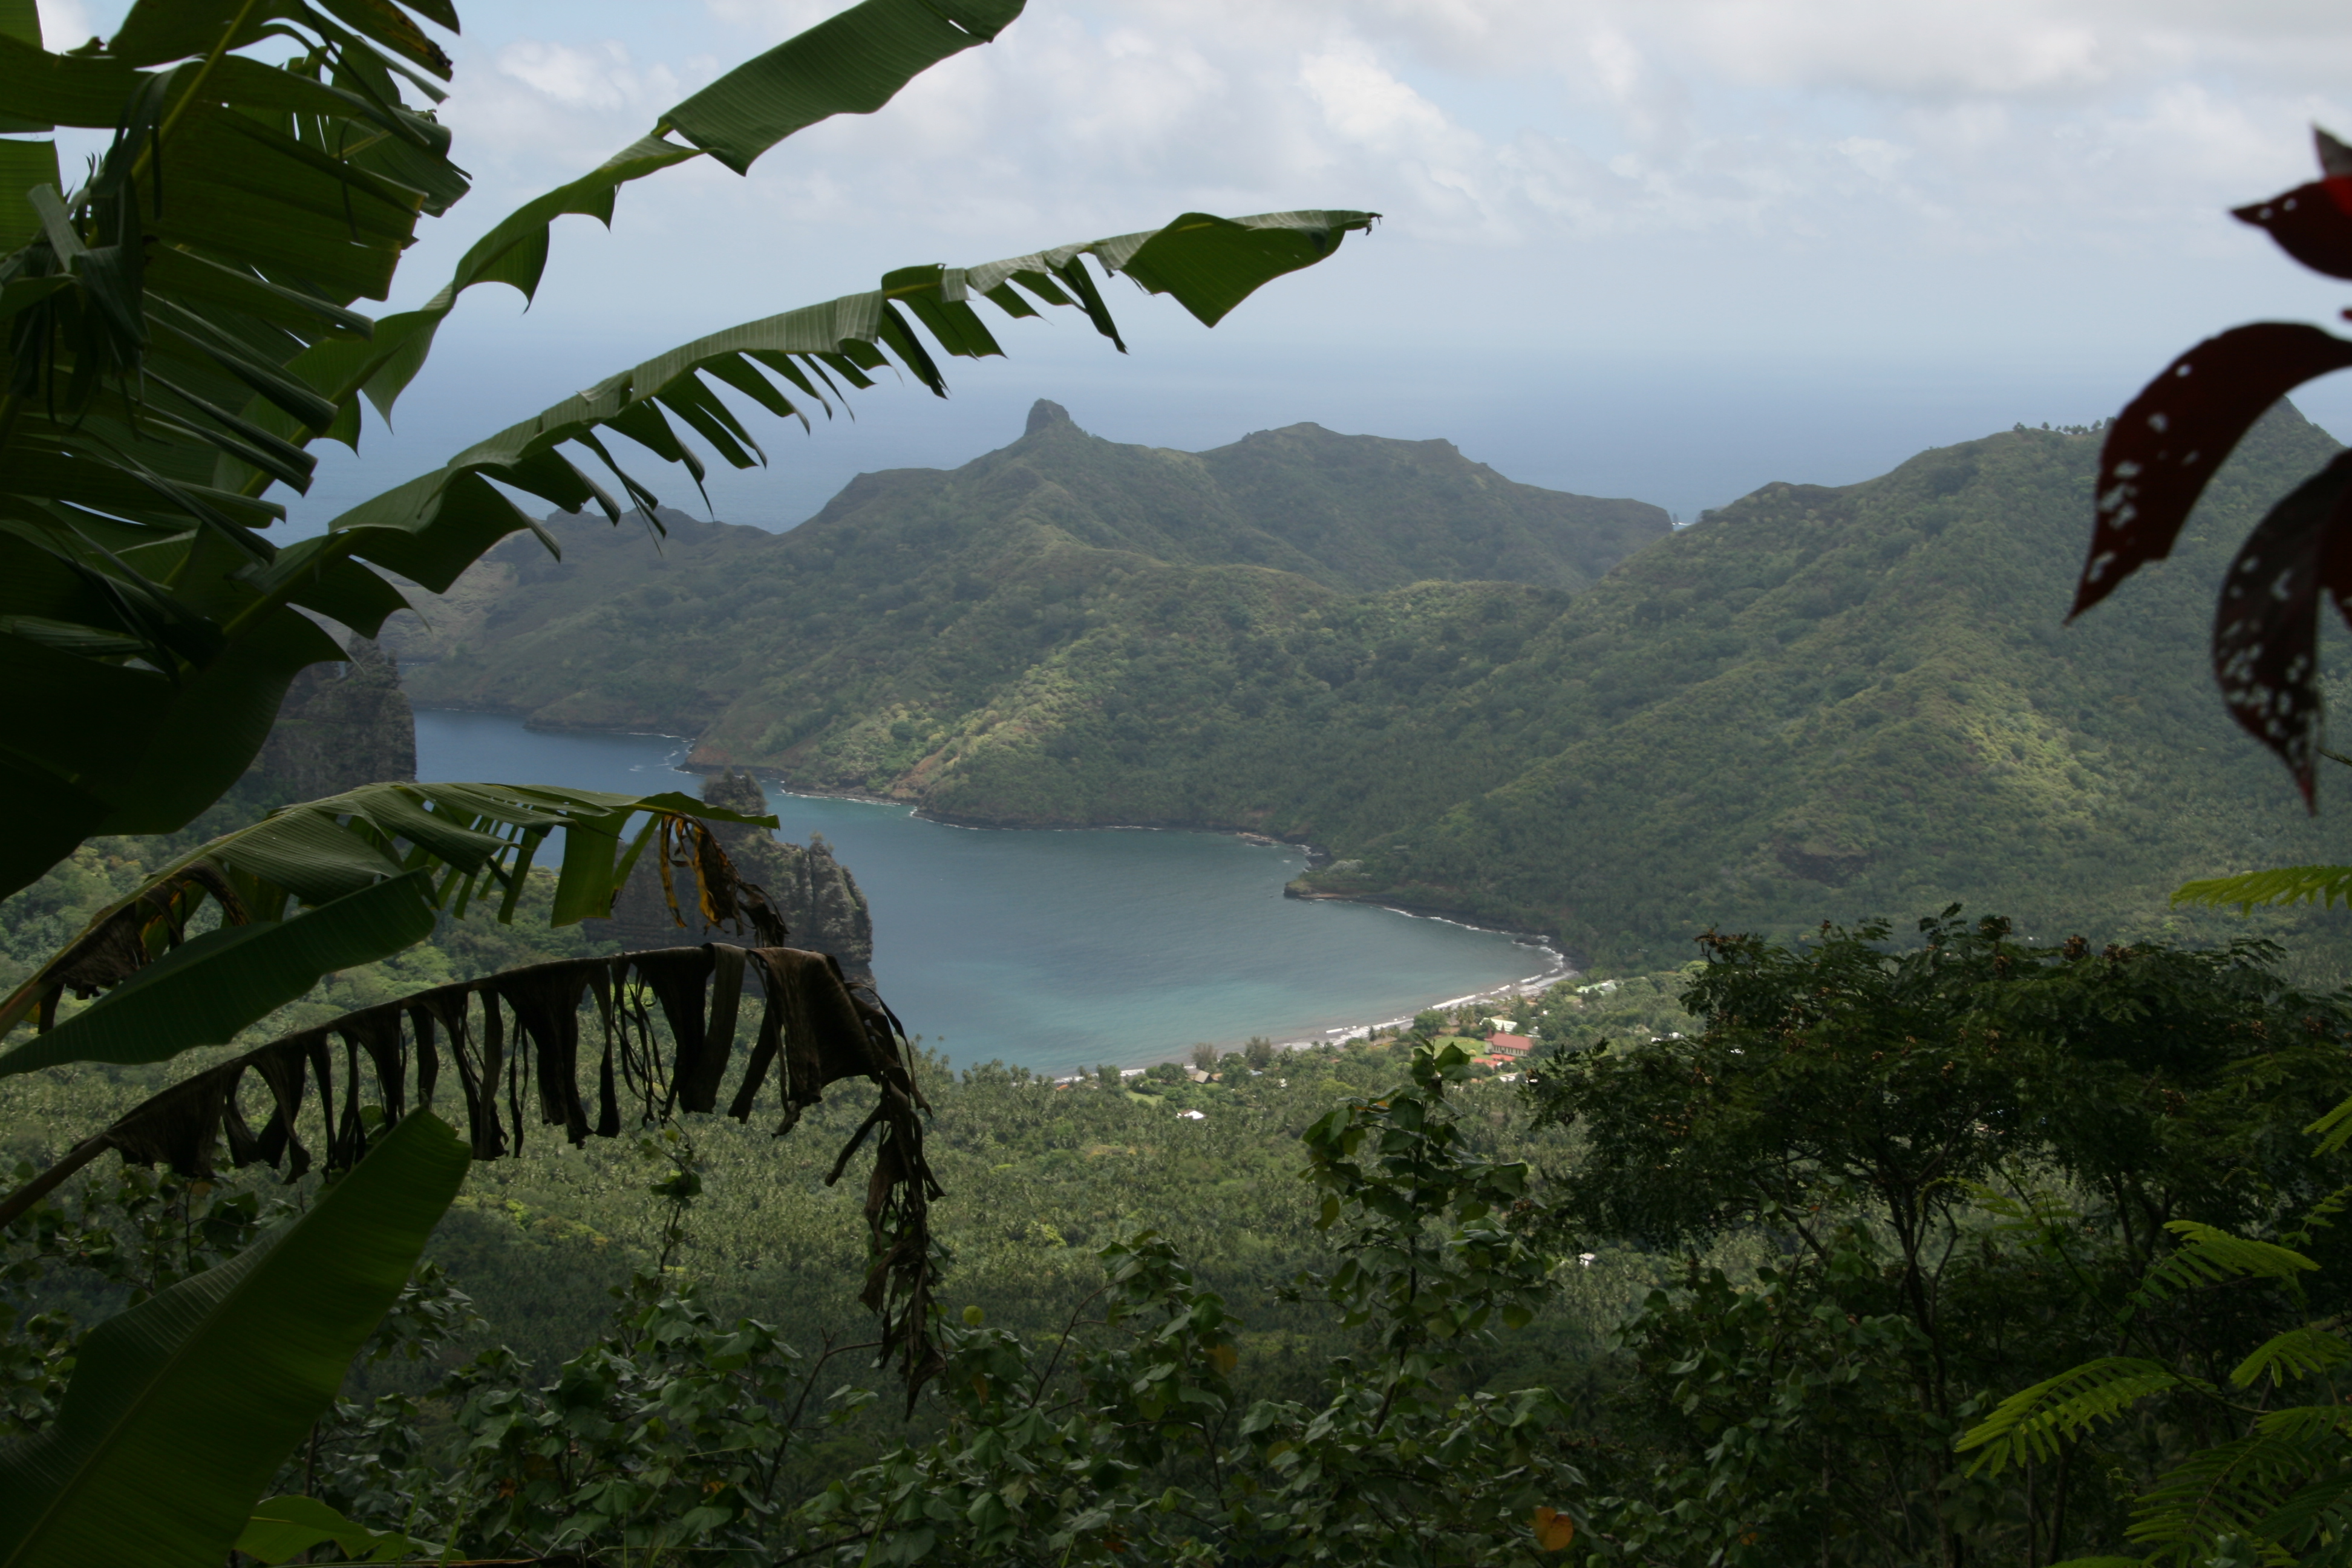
{"x": 823, "y": 908}
{"x": 1045, "y": 414}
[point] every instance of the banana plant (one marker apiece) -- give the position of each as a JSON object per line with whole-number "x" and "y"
{"x": 181, "y": 327}
{"x": 182, "y": 1408}
{"x": 177, "y": 328}
{"x": 373, "y": 865}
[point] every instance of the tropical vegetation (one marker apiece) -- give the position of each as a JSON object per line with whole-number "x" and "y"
{"x": 1960, "y": 1246}
{"x": 2267, "y": 1480}
{"x": 1758, "y": 1325}
{"x": 182, "y": 326}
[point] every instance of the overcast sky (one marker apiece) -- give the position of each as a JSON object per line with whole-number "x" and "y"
{"x": 1673, "y": 249}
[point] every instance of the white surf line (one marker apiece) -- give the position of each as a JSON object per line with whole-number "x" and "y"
{"x": 1515, "y": 989}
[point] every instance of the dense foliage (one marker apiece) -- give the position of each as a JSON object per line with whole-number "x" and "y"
{"x": 1772, "y": 1232}
{"x": 1965, "y": 1155}
{"x": 2266, "y": 1481}
{"x": 1735, "y": 1277}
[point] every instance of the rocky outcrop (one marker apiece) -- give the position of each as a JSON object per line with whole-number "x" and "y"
{"x": 340, "y": 726}
{"x": 814, "y": 892}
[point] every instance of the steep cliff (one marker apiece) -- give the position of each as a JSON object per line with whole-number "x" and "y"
{"x": 814, "y": 892}
{"x": 340, "y": 727}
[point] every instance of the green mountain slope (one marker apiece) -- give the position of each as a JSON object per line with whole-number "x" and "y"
{"x": 1839, "y": 702}
{"x": 853, "y": 647}
{"x": 1815, "y": 703}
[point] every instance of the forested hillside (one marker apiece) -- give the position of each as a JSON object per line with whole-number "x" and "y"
{"x": 1840, "y": 702}
{"x": 1812, "y": 703}
{"x": 888, "y": 635}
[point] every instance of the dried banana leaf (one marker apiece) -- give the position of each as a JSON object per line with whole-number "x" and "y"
{"x": 510, "y": 1043}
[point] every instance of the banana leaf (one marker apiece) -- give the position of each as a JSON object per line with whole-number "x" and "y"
{"x": 181, "y": 1409}
{"x": 180, "y": 328}
{"x": 206, "y": 990}
{"x": 852, "y": 63}
{"x": 431, "y": 528}
{"x": 512, "y": 1044}
{"x": 375, "y": 863}
{"x": 179, "y": 740}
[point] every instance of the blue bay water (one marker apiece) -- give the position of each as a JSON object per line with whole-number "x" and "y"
{"x": 1058, "y": 951}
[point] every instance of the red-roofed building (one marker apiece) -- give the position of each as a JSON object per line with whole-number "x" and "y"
{"x": 1510, "y": 1045}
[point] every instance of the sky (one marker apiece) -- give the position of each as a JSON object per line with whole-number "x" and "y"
{"x": 1673, "y": 249}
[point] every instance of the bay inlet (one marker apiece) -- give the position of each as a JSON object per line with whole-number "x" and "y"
{"x": 1059, "y": 950}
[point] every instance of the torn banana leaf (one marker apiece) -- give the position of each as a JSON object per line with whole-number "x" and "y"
{"x": 507, "y": 1049}
{"x": 375, "y": 864}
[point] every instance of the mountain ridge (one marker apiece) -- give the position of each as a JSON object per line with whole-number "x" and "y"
{"x": 1819, "y": 700}
{"x": 1024, "y": 533}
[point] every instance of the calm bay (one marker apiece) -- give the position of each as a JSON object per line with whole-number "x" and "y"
{"x": 1058, "y": 951}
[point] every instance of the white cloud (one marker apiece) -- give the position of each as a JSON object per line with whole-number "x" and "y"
{"x": 601, "y": 78}
{"x": 1362, "y": 102}
{"x": 1923, "y": 48}
{"x": 1873, "y": 157}
{"x": 1650, "y": 141}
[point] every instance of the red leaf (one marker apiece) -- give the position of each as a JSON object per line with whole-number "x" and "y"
{"x": 2166, "y": 445}
{"x": 2311, "y": 223}
{"x": 2266, "y": 628}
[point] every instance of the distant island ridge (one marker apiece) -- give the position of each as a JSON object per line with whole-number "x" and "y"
{"x": 1523, "y": 709}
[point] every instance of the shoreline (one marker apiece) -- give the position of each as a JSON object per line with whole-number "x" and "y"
{"x": 1555, "y": 965}
{"x": 1556, "y": 968}
{"x": 1552, "y": 964}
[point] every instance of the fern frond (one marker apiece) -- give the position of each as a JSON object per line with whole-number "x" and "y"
{"x": 2035, "y": 1211}
{"x": 2322, "y": 1508}
{"x": 2322, "y": 1214}
{"x": 2229, "y": 1489}
{"x": 2334, "y": 1128}
{"x": 2033, "y": 1423}
{"x": 2298, "y": 1353}
{"x": 2306, "y": 1424}
{"x": 2326, "y": 885}
{"x": 2208, "y": 1255}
